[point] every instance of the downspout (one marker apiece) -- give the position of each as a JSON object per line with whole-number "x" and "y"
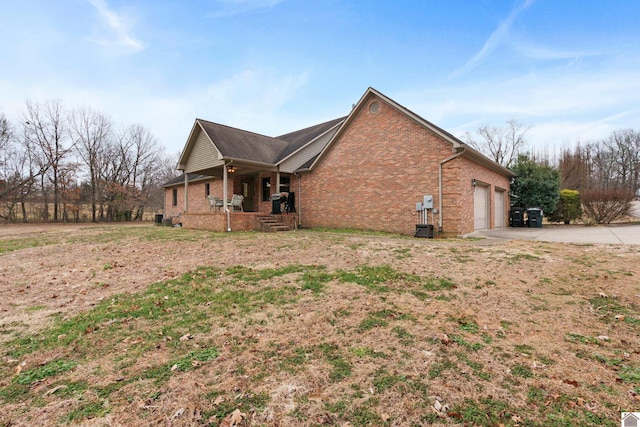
{"x": 186, "y": 193}
{"x": 225, "y": 195}
{"x": 448, "y": 159}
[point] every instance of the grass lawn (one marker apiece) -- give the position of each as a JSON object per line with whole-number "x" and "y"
{"x": 142, "y": 325}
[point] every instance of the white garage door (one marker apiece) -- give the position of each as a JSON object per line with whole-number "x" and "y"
{"x": 499, "y": 217}
{"x": 480, "y": 208}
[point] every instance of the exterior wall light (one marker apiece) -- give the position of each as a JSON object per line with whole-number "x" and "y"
{"x": 473, "y": 182}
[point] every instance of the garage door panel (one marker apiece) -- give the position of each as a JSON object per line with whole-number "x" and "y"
{"x": 480, "y": 208}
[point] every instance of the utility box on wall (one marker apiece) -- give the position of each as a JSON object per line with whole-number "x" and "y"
{"x": 427, "y": 202}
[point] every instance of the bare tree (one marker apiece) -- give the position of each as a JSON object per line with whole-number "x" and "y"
{"x": 18, "y": 170}
{"x": 576, "y": 168}
{"x": 91, "y": 132}
{"x": 501, "y": 144}
{"x": 45, "y": 127}
{"x": 5, "y": 134}
{"x": 124, "y": 168}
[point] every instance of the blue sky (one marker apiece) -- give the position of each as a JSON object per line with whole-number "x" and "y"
{"x": 570, "y": 69}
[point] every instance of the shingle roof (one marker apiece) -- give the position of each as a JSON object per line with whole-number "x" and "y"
{"x": 301, "y": 137}
{"x": 241, "y": 144}
{"x": 180, "y": 179}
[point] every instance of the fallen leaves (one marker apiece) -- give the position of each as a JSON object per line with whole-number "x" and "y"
{"x": 233, "y": 419}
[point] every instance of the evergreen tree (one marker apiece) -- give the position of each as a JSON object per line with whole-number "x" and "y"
{"x": 536, "y": 185}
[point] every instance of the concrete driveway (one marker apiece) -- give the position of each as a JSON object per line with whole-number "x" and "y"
{"x": 621, "y": 234}
{"x": 613, "y": 234}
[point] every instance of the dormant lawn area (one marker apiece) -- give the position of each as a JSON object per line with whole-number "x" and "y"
{"x": 143, "y": 325}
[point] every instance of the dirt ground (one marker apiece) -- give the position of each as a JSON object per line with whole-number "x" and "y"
{"x": 525, "y": 293}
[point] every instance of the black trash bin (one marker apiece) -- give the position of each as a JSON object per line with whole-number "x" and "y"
{"x": 276, "y": 201}
{"x": 516, "y": 217}
{"x": 534, "y": 217}
{"x": 158, "y": 220}
{"x": 424, "y": 230}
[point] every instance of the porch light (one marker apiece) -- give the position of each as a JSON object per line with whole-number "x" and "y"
{"x": 473, "y": 182}
{"x": 231, "y": 169}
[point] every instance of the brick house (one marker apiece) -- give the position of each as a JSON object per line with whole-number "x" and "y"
{"x": 382, "y": 167}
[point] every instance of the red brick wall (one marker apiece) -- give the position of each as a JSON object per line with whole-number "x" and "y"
{"x": 198, "y": 202}
{"x": 197, "y": 198}
{"x": 379, "y": 168}
{"x": 371, "y": 178}
{"x": 239, "y": 221}
{"x": 458, "y": 193}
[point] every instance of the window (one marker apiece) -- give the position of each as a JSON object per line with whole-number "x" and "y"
{"x": 266, "y": 189}
{"x": 207, "y": 189}
{"x": 284, "y": 184}
{"x": 175, "y": 197}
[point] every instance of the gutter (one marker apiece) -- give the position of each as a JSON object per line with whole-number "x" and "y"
{"x": 230, "y": 160}
{"x": 448, "y": 159}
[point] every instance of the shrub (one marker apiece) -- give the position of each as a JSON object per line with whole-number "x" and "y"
{"x": 568, "y": 208}
{"x": 607, "y": 205}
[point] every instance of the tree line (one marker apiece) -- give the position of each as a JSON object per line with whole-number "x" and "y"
{"x": 59, "y": 164}
{"x": 599, "y": 179}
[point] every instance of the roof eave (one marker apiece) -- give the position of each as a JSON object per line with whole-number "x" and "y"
{"x": 270, "y": 166}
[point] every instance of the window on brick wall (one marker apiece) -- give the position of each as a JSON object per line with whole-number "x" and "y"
{"x": 207, "y": 189}
{"x": 175, "y": 197}
{"x": 285, "y": 183}
{"x": 266, "y": 189}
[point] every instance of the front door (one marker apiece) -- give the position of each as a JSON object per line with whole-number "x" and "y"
{"x": 247, "y": 192}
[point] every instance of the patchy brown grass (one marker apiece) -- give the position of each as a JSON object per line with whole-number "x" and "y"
{"x": 143, "y": 325}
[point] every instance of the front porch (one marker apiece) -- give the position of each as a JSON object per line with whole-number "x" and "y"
{"x": 238, "y": 221}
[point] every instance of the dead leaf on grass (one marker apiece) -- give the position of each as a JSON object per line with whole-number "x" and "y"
{"x": 439, "y": 406}
{"x": 186, "y": 337}
{"x": 234, "y": 419}
{"x": 53, "y": 390}
{"x": 178, "y": 413}
{"x": 218, "y": 400}
{"x": 572, "y": 382}
{"x": 316, "y": 397}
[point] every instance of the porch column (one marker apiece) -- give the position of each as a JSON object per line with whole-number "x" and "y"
{"x": 225, "y": 193}
{"x": 186, "y": 192}
{"x": 278, "y": 181}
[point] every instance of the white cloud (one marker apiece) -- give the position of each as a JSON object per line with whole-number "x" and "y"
{"x": 119, "y": 33}
{"x": 544, "y": 53}
{"x": 495, "y": 39}
{"x": 562, "y": 104}
{"x": 250, "y": 99}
